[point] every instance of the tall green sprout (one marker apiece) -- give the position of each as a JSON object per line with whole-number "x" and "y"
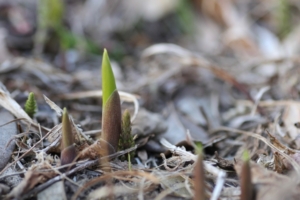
{"x": 111, "y": 109}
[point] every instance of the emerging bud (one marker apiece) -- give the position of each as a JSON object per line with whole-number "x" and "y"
{"x": 199, "y": 180}
{"x": 111, "y": 110}
{"x": 68, "y": 155}
{"x": 126, "y": 140}
{"x": 111, "y": 123}
{"x": 246, "y": 183}
{"x": 68, "y": 152}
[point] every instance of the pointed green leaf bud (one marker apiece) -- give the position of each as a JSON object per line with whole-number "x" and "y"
{"x": 30, "y": 105}
{"x": 108, "y": 79}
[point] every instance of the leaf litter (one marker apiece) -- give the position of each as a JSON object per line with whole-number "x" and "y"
{"x": 223, "y": 75}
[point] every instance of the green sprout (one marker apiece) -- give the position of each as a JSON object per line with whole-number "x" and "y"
{"x": 246, "y": 156}
{"x": 30, "y": 105}
{"x": 198, "y": 147}
{"x": 68, "y": 152}
{"x": 126, "y": 140}
{"x": 111, "y": 109}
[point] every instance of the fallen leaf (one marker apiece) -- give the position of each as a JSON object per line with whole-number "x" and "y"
{"x": 270, "y": 185}
{"x": 176, "y": 184}
{"x": 291, "y": 116}
{"x": 147, "y": 123}
{"x": 11, "y": 105}
{"x": 37, "y": 175}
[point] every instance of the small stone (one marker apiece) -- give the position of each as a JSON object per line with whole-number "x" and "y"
{"x": 55, "y": 191}
{"x": 7, "y": 133}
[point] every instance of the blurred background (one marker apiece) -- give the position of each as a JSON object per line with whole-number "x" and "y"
{"x": 177, "y": 55}
{"x": 245, "y": 29}
{"x": 194, "y": 66}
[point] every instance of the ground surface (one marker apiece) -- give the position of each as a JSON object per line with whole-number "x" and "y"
{"x": 223, "y": 74}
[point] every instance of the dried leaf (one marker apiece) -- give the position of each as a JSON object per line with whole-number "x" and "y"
{"x": 91, "y": 152}
{"x": 291, "y": 116}
{"x": 32, "y": 178}
{"x": 177, "y": 185}
{"x": 11, "y": 105}
{"x": 106, "y": 191}
{"x": 55, "y": 191}
{"x": 127, "y": 97}
{"x": 269, "y": 185}
{"x": 55, "y": 107}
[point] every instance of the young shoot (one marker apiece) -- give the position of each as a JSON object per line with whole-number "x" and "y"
{"x": 31, "y": 105}
{"x": 246, "y": 183}
{"x": 68, "y": 150}
{"x": 111, "y": 109}
{"x": 126, "y": 140}
{"x": 199, "y": 174}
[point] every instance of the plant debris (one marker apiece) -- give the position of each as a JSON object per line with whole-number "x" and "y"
{"x": 220, "y": 75}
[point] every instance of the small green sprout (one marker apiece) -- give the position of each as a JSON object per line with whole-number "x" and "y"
{"x": 111, "y": 109}
{"x": 30, "y": 105}
{"x": 246, "y": 183}
{"x": 198, "y": 147}
{"x": 246, "y": 156}
{"x": 68, "y": 150}
{"x": 126, "y": 140}
{"x": 199, "y": 181}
